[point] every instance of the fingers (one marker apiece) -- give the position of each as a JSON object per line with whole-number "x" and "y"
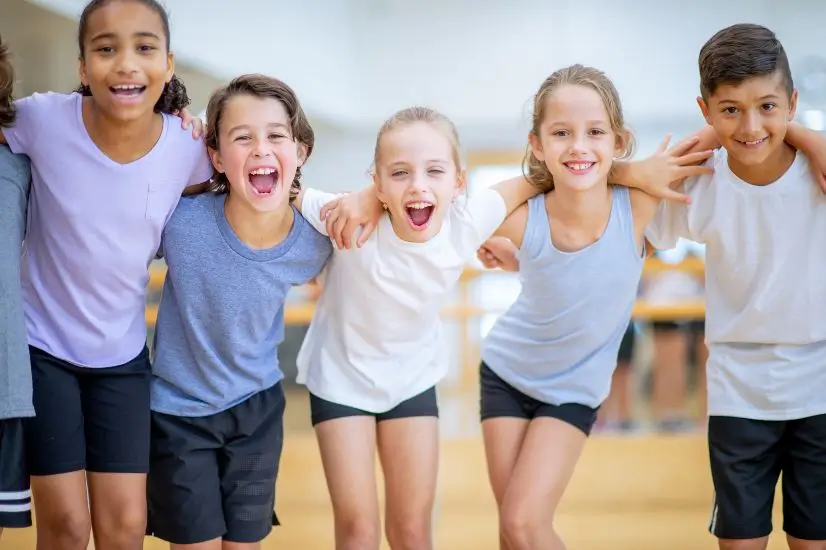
{"x": 664, "y": 144}
{"x": 366, "y": 230}
{"x": 696, "y": 170}
{"x": 694, "y": 158}
{"x": 676, "y": 196}
{"x": 684, "y": 146}
{"x": 327, "y": 208}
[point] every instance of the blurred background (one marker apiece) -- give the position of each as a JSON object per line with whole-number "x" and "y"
{"x": 643, "y": 482}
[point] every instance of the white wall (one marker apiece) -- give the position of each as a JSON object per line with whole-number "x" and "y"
{"x": 308, "y": 44}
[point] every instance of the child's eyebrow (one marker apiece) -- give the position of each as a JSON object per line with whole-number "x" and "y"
{"x": 248, "y": 127}
{"x": 112, "y": 36}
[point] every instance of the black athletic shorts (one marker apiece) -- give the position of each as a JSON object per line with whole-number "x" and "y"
{"x": 423, "y": 404}
{"x": 627, "y": 346}
{"x": 500, "y": 399}
{"x": 214, "y": 476}
{"x": 748, "y": 457}
{"x": 695, "y": 326}
{"x": 88, "y": 419}
{"x": 15, "y": 493}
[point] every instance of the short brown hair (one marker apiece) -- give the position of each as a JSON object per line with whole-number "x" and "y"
{"x": 534, "y": 170}
{"x": 740, "y": 52}
{"x": 7, "y": 111}
{"x": 260, "y": 86}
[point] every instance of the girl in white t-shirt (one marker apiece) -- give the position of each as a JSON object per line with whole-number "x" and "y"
{"x": 375, "y": 351}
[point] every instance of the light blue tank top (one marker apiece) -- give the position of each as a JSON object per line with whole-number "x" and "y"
{"x": 559, "y": 341}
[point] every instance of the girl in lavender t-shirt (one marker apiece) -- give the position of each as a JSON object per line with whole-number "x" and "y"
{"x": 108, "y": 168}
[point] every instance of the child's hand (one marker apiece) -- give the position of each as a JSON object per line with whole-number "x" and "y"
{"x": 817, "y": 164}
{"x": 498, "y": 252}
{"x": 657, "y": 174}
{"x": 188, "y": 119}
{"x": 345, "y": 214}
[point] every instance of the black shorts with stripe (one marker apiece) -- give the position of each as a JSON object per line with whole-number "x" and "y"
{"x": 15, "y": 492}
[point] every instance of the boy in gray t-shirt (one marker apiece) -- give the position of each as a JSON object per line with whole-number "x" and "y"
{"x": 15, "y": 370}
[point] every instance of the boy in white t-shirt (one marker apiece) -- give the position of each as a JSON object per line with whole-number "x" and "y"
{"x": 763, "y": 221}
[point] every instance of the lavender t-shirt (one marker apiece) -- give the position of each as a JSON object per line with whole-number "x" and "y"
{"x": 94, "y": 227}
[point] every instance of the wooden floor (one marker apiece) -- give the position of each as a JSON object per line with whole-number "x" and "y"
{"x": 646, "y": 492}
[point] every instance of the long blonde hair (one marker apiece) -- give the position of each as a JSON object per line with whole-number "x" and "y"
{"x": 576, "y": 75}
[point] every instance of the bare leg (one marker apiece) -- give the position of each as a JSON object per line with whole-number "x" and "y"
{"x": 545, "y": 465}
{"x": 118, "y": 506}
{"x": 62, "y": 510}
{"x": 348, "y": 453}
{"x": 503, "y": 441}
{"x": 409, "y": 453}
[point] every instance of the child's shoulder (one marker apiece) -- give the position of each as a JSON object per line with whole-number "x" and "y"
{"x": 180, "y": 137}
{"x": 11, "y": 163}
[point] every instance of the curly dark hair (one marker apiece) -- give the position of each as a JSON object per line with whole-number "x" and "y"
{"x": 7, "y": 111}
{"x": 174, "y": 97}
{"x": 261, "y": 86}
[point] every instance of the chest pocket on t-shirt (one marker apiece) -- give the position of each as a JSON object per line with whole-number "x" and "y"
{"x": 161, "y": 199}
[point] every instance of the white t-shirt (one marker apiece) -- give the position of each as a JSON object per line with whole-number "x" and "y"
{"x": 765, "y": 288}
{"x": 376, "y": 337}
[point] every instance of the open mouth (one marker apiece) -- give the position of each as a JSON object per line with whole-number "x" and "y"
{"x": 579, "y": 167}
{"x": 127, "y": 91}
{"x": 751, "y": 144}
{"x": 263, "y": 180}
{"x": 419, "y": 214}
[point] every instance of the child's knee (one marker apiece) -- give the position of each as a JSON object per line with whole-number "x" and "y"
{"x": 409, "y": 533}
{"x": 523, "y": 530}
{"x": 358, "y": 534}
{"x": 71, "y": 529}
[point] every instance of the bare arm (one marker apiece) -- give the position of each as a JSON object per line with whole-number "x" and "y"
{"x": 3, "y": 138}
{"x": 515, "y": 191}
{"x": 813, "y": 145}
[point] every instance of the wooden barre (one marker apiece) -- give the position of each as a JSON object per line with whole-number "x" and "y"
{"x": 302, "y": 313}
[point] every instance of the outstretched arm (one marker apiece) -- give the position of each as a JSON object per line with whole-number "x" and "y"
{"x": 813, "y": 145}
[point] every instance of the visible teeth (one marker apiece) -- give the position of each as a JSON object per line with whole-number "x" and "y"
{"x": 128, "y": 87}
{"x": 262, "y": 171}
{"x": 580, "y": 165}
{"x": 755, "y": 142}
{"x": 419, "y": 205}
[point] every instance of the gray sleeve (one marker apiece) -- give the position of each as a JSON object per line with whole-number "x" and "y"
{"x": 15, "y": 181}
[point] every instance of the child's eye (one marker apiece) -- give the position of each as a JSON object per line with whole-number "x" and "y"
{"x": 768, "y": 106}
{"x": 105, "y": 49}
{"x": 398, "y": 173}
{"x": 597, "y": 132}
{"x": 242, "y": 138}
{"x": 146, "y": 48}
{"x": 277, "y": 136}
{"x": 560, "y": 133}
{"x": 730, "y": 110}
{"x": 435, "y": 171}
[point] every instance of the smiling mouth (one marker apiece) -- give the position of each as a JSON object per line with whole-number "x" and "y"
{"x": 579, "y": 167}
{"x": 128, "y": 91}
{"x": 419, "y": 214}
{"x": 263, "y": 180}
{"x": 752, "y": 143}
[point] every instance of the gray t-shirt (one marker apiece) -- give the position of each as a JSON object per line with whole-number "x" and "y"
{"x": 15, "y": 369}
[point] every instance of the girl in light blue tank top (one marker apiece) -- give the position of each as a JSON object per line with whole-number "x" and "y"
{"x": 547, "y": 362}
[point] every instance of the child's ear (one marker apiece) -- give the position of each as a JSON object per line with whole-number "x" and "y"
{"x": 215, "y": 157}
{"x": 793, "y": 105}
{"x": 379, "y": 192}
{"x": 461, "y": 183}
{"x": 704, "y": 109}
{"x": 623, "y": 143}
{"x": 302, "y": 154}
{"x": 536, "y": 147}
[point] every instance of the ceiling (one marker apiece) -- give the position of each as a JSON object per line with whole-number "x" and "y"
{"x": 354, "y": 62}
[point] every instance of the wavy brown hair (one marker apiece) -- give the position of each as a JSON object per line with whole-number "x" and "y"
{"x": 7, "y": 111}
{"x": 259, "y": 86}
